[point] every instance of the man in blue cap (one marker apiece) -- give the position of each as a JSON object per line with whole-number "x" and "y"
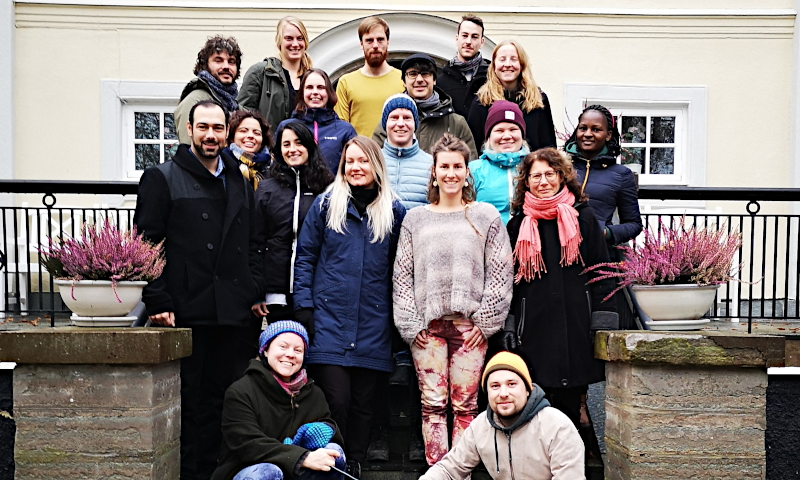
{"x": 435, "y": 108}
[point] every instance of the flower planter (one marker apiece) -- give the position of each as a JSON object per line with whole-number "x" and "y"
{"x": 675, "y": 302}
{"x": 96, "y": 298}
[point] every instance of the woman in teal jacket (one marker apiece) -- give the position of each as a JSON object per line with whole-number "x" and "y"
{"x": 504, "y": 149}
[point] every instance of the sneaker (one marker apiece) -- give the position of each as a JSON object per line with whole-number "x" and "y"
{"x": 416, "y": 448}
{"x": 378, "y": 449}
{"x": 353, "y": 468}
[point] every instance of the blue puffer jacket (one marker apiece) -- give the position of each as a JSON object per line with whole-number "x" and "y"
{"x": 347, "y": 280}
{"x": 409, "y": 170}
{"x": 494, "y": 174}
{"x": 610, "y": 187}
{"x": 331, "y": 134}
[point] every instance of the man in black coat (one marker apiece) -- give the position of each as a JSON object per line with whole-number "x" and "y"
{"x": 202, "y": 208}
{"x": 466, "y": 72}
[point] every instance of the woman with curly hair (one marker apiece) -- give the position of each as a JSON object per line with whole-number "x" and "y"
{"x": 297, "y": 175}
{"x": 510, "y": 78}
{"x": 249, "y": 141}
{"x": 555, "y": 236}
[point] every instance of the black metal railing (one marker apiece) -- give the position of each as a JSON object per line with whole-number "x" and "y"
{"x": 770, "y": 255}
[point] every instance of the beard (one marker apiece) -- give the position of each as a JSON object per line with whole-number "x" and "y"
{"x": 376, "y": 61}
{"x": 205, "y": 152}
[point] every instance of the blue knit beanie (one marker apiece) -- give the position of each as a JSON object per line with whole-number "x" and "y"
{"x": 400, "y": 100}
{"x": 276, "y": 328}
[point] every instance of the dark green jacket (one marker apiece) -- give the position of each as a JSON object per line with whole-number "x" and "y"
{"x": 193, "y": 93}
{"x": 264, "y": 89}
{"x": 258, "y": 414}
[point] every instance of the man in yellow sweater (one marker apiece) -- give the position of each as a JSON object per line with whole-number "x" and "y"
{"x": 362, "y": 92}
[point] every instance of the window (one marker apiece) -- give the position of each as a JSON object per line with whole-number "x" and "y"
{"x": 654, "y": 139}
{"x": 663, "y": 128}
{"x": 150, "y": 137}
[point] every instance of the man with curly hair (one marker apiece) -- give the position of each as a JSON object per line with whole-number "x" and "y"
{"x": 216, "y": 69}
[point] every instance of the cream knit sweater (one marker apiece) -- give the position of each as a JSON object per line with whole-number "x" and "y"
{"x": 443, "y": 266}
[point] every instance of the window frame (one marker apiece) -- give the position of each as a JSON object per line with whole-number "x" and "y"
{"x": 129, "y": 139}
{"x": 691, "y": 98}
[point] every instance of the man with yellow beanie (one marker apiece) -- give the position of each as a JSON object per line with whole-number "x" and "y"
{"x": 520, "y": 436}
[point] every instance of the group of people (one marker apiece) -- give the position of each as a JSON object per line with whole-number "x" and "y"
{"x": 316, "y": 237}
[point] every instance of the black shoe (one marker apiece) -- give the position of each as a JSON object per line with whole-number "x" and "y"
{"x": 416, "y": 448}
{"x": 353, "y": 468}
{"x": 378, "y": 449}
{"x": 401, "y": 376}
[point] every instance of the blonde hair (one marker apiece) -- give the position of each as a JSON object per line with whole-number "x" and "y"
{"x": 379, "y": 213}
{"x": 305, "y": 62}
{"x": 492, "y": 90}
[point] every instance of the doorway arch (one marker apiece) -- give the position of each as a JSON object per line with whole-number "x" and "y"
{"x": 337, "y": 50}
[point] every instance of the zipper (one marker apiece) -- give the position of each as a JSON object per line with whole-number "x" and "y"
{"x": 510, "y": 457}
{"x": 510, "y": 185}
{"x": 295, "y": 219}
{"x": 586, "y": 177}
{"x": 521, "y": 323}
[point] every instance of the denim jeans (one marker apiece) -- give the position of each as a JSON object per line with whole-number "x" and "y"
{"x": 269, "y": 471}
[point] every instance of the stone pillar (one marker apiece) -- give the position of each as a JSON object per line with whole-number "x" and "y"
{"x": 96, "y": 402}
{"x": 686, "y": 404}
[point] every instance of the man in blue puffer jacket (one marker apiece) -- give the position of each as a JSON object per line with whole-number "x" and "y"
{"x": 408, "y": 166}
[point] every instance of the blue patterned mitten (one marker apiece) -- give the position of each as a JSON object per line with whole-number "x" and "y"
{"x": 311, "y": 436}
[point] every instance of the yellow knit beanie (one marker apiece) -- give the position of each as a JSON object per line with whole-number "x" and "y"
{"x": 507, "y": 361}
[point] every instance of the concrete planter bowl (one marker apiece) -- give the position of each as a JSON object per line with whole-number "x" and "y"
{"x": 675, "y": 302}
{"x": 96, "y": 298}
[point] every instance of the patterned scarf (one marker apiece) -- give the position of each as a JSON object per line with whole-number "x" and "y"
{"x": 468, "y": 68}
{"x": 226, "y": 93}
{"x": 247, "y": 165}
{"x": 528, "y": 250}
{"x": 293, "y": 386}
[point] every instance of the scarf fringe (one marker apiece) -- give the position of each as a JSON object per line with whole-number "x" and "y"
{"x": 531, "y": 267}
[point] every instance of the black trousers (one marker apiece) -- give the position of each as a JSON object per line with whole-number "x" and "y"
{"x": 568, "y": 400}
{"x": 220, "y": 355}
{"x": 350, "y": 392}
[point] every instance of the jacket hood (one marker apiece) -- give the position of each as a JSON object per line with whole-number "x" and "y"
{"x": 322, "y": 116}
{"x": 601, "y": 160}
{"x": 197, "y": 83}
{"x": 398, "y": 152}
{"x": 266, "y": 382}
{"x": 444, "y": 107}
{"x": 536, "y": 402}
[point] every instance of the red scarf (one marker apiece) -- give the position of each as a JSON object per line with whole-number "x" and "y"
{"x": 293, "y": 386}
{"x": 528, "y": 250}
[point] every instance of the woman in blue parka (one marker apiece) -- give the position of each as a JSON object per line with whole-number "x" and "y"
{"x": 343, "y": 282}
{"x": 315, "y": 101}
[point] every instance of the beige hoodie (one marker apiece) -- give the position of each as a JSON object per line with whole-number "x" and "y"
{"x": 546, "y": 447}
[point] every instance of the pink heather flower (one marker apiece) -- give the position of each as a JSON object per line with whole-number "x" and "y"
{"x": 674, "y": 255}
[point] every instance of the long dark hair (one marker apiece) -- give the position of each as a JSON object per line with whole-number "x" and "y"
{"x": 559, "y": 162}
{"x": 315, "y": 173}
{"x": 300, "y": 104}
{"x": 613, "y": 144}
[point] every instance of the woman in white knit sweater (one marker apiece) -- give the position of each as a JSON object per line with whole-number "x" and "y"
{"x": 453, "y": 280}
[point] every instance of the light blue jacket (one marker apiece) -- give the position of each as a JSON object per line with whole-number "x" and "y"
{"x": 493, "y": 175}
{"x": 409, "y": 170}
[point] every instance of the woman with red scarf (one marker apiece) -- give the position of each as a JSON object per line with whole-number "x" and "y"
{"x": 555, "y": 236}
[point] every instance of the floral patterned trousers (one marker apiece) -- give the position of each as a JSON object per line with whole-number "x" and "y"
{"x": 445, "y": 367}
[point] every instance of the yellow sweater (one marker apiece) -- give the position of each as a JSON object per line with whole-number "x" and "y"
{"x": 361, "y": 98}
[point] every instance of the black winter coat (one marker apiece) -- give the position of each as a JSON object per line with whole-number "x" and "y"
{"x": 211, "y": 276}
{"x": 453, "y": 83}
{"x": 610, "y": 187}
{"x": 278, "y": 229}
{"x": 559, "y": 311}
{"x": 539, "y": 129}
{"x": 258, "y": 414}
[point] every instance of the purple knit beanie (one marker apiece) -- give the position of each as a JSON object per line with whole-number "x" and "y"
{"x": 503, "y": 111}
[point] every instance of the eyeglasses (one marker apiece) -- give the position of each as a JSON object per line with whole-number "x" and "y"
{"x": 549, "y": 176}
{"x": 413, "y": 75}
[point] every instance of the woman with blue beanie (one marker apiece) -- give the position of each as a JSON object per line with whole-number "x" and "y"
{"x": 275, "y": 422}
